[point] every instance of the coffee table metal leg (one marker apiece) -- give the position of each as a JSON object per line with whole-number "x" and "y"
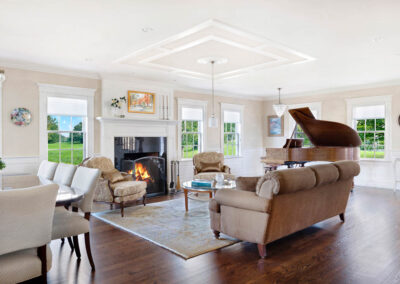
{"x": 186, "y": 198}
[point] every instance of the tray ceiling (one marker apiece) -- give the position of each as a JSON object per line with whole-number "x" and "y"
{"x": 244, "y": 52}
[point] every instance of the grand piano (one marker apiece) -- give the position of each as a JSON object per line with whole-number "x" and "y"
{"x": 332, "y": 142}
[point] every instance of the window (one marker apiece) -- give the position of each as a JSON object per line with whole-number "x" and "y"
{"x": 232, "y": 123}
{"x": 66, "y": 130}
{"x": 191, "y": 132}
{"x": 369, "y": 121}
{"x": 299, "y": 133}
{"x": 370, "y": 117}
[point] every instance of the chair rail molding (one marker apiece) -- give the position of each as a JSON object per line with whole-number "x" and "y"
{"x": 2, "y": 79}
{"x": 49, "y": 90}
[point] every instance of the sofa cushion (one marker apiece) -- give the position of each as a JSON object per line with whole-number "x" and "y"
{"x": 347, "y": 169}
{"x": 325, "y": 173}
{"x": 124, "y": 188}
{"x": 112, "y": 175}
{"x": 287, "y": 181}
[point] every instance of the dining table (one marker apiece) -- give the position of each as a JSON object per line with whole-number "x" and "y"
{"x": 66, "y": 195}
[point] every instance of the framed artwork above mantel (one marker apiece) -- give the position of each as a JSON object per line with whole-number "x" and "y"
{"x": 275, "y": 126}
{"x": 141, "y": 102}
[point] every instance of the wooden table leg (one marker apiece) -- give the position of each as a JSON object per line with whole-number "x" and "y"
{"x": 185, "y": 191}
{"x": 211, "y": 195}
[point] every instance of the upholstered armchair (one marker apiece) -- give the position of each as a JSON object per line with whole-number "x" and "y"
{"x": 263, "y": 209}
{"x": 207, "y": 164}
{"x": 115, "y": 187}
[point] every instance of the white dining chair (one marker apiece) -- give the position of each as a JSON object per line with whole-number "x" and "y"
{"x": 64, "y": 174}
{"x": 71, "y": 224}
{"x": 47, "y": 170}
{"x": 396, "y": 173}
{"x": 26, "y": 218}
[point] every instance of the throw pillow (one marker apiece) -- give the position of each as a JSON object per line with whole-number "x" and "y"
{"x": 113, "y": 175}
{"x": 210, "y": 167}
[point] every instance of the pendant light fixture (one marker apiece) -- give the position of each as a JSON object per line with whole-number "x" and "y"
{"x": 279, "y": 108}
{"x": 212, "y": 120}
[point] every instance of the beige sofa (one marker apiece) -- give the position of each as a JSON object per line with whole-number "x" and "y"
{"x": 207, "y": 164}
{"x": 262, "y": 210}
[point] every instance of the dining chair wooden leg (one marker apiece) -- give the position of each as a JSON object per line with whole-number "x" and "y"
{"x": 76, "y": 246}
{"x": 88, "y": 250}
{"x": 62, "y": 241}
{"x": 71, "y": 245}
{"x": 144, "y": 200}
{"x": 41, "y": 252}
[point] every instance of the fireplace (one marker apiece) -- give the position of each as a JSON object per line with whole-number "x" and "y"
{"x": 145, "y": 158}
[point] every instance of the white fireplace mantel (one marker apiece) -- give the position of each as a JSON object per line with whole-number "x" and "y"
{"x": 111, "y": 127}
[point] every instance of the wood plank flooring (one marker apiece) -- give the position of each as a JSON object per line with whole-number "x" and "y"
{"x": 365, "y": 249}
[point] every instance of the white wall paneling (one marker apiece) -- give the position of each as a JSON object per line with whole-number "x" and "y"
{"x": 21, "y": 165}
{"x": 2, "y": 78}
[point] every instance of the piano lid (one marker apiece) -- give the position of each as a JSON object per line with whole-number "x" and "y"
{"x": 325, "y": 133}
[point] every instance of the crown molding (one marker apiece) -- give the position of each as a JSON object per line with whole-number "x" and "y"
{"x": 6, "y": 63}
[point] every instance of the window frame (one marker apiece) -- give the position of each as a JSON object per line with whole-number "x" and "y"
{"x": 189, "y": 103}
{"x": 49, "y": 90}
{"x": 385, "y": 100}
{"x": 239, "y": 131}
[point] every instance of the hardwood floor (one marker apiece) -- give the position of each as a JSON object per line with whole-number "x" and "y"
{"x": 364, "y": 249}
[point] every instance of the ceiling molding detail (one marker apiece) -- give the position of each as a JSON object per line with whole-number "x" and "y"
{"x": 244, "y": 51}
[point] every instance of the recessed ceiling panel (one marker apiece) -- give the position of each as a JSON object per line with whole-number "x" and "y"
{"x": 244, "y": 52}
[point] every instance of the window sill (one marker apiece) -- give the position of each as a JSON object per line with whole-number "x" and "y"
{"x": 232, "y": 157}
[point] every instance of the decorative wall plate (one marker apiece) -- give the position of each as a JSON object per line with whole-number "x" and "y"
{"x": 21, "y": 116}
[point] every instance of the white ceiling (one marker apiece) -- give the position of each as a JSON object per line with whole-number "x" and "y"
{"x": 353, "y": 42}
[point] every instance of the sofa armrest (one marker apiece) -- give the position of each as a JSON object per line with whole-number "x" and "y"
{"x": 242, "y": 199}
{"x": 247, "y": 183}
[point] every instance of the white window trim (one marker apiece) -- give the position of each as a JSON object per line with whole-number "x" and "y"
{"x": 289, "y": 121}
{"x": 369, "y": 101}
{"x": 2, "y": 79}
{"x": 192, "y": 104}
{"x": 48, "y": 90}
{"x": 232, "y": 107}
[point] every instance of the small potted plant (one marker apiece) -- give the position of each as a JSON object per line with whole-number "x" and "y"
{"x": 116, "y": 106}
{"x": 2, "y": 164}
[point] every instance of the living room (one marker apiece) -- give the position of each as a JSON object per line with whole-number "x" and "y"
{"x": 160, "y": 141}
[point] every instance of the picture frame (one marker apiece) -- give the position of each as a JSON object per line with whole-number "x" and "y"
{"x": 275, "y": 126}
{"x": 141, "y": 102}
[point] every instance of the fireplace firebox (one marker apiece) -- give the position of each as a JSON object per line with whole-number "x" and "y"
{"x": 145, "y": 158}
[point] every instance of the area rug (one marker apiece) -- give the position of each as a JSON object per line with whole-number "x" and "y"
{"x": 167, "y": 224}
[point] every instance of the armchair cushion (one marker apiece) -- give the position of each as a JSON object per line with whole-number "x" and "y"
{"x": 112, "y": 175}
{"x": 242, "y": 199}
{"x": 101, "y": 163}
{"x": 124, "y": 188}
{"x": 210, "y": 166}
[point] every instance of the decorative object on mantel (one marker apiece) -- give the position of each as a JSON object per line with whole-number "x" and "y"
{"x": 279, "y": 108}
{"x": 275, "y": 126}
{"x": 213, "y": 120}
{"x": 117, "y": 106}
{"x": 164, "y": 108}
{"x": 141, "y": 102}
{"x": 21, "y": 116}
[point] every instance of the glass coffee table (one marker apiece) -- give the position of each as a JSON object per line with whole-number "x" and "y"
{"x": 187, "y": 187}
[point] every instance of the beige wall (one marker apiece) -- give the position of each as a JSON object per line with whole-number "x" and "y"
{"x": 334, "y": 108}
{"x": 252, "y": 136}
{"x": 20, "y": 89}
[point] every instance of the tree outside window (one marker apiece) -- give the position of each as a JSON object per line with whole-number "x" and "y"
{"x": 372, "y": 135}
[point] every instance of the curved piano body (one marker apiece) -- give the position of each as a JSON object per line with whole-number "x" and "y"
{"x": 332, "y": 142}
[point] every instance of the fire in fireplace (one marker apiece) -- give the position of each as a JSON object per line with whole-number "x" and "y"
{"x": 145, "y": 158}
